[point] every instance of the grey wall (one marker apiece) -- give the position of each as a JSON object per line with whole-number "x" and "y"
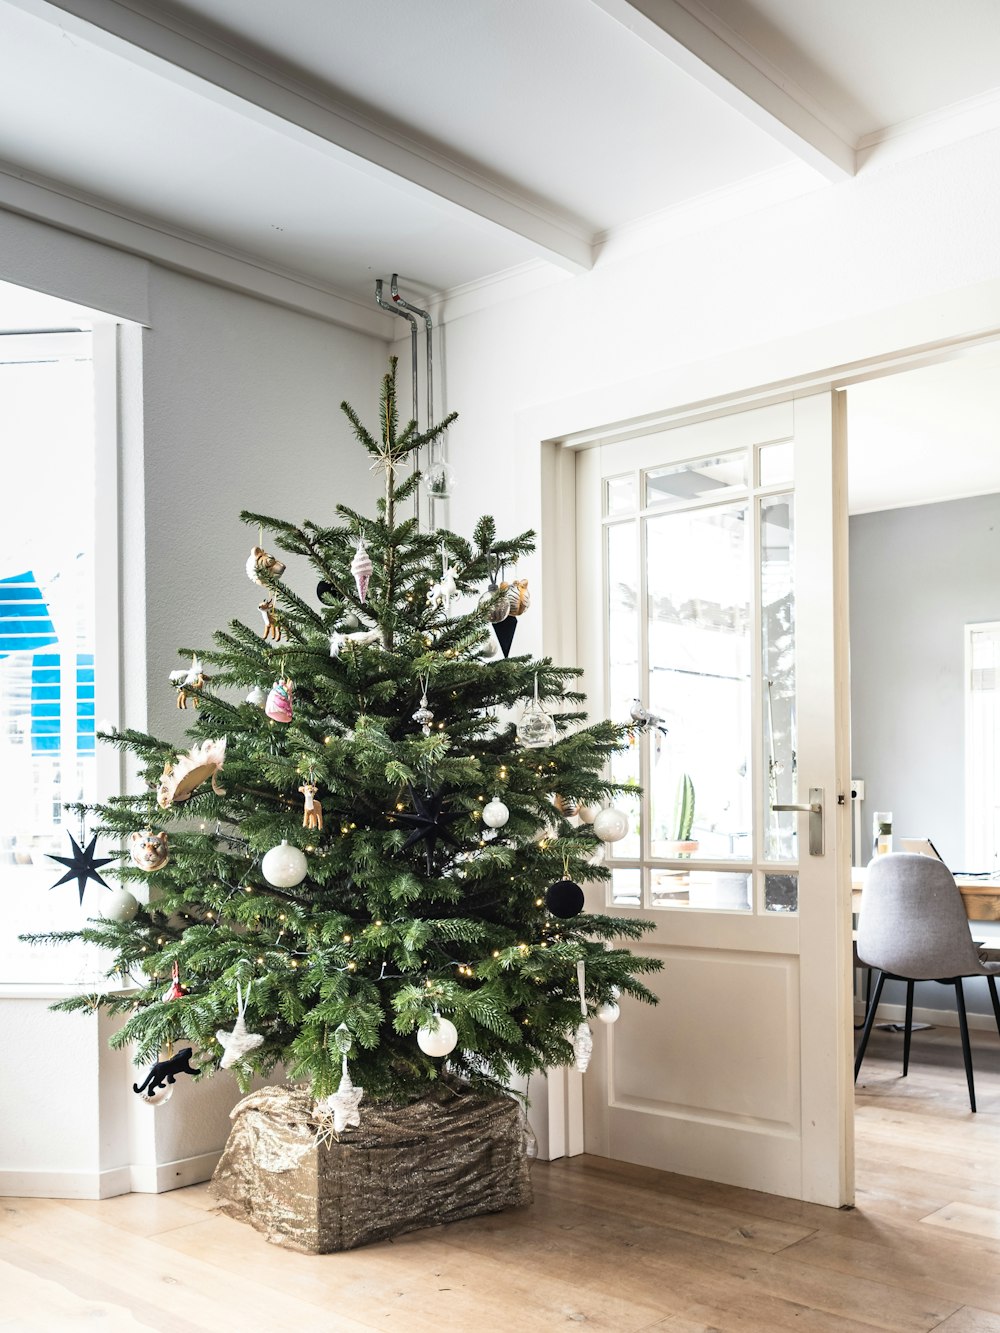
{"x": 918, "y": 576}
{"x": 241, "y": 406}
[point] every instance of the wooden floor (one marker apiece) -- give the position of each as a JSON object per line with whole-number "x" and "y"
{"x": 604, "y": 1247}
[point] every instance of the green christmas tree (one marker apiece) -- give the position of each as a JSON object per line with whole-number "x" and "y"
{"x": 413, "y": 911}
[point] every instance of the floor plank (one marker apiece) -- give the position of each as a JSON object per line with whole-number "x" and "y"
{"x": 613, "y": 1247}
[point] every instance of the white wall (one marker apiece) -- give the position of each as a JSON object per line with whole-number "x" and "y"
{"x": 227, "y": 403}
{"x": 889, "y": 259}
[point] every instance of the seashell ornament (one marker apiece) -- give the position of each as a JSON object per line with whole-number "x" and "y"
{"x": 181, "y": 779}
{"x": 361, "y": 568}
{"x": 259, "y": 562}
{"x": 279, "y": 701}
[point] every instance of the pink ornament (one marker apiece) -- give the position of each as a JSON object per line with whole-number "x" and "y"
{"x": 279, "y": 701}
{"x": 361, "y": 568}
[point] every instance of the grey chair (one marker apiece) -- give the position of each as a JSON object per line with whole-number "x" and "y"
{"x": 913, "y": 927}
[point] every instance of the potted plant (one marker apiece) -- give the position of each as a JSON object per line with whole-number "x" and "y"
{"x": 681, "y": 843}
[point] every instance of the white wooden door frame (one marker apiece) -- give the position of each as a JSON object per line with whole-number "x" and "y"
{"x": 563, "y": 1096}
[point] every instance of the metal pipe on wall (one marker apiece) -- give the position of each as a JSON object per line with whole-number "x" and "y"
{"x": 429, "y": 327}
{"x": 394, "y": 309}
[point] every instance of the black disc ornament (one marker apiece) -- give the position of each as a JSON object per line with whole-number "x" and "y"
{"x": 564, "y": 898}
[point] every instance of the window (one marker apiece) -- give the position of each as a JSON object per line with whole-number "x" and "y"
{"x": 47, "y": 643}
{"x": 982, "y": 750}
{"x": 699, "y": 605}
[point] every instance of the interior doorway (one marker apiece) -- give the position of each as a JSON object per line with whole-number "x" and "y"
{"x": 924, "y": 540}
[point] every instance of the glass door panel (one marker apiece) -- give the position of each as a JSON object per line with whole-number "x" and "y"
{"x": 699, "y": 655}
{"x": 777, "y": 632}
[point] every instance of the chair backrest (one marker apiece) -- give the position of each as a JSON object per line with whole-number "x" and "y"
{"x": 913, "y": 920}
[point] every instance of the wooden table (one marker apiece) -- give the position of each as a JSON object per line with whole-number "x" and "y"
{"x": 981, "y": 896}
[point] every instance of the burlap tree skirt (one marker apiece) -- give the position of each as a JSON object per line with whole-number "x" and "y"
{"x": 448, "y": 1156}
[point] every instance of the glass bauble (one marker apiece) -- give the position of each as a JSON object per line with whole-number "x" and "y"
{"x": 438, "y": 1038}
{"x": 535, "y": 729}
{"x": 160, "y": 1096}
{"x": 284, "y": 866}
{"x": 609, "y": 1013}
{"x": 439, "y": 479}
{"x": 611, "y": 825}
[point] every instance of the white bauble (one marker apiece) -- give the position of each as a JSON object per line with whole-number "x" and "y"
{"x": 587, "y": 813}
{"x": 495, "y": 813}
{"x": 439, "y": 1039}
{"x": 119, "y": 905}
{"x": 284, "y": 866}
{"x": 611, "y": 825}
{"x": 256, "y": 696}
{"x": 609, "y": 1013}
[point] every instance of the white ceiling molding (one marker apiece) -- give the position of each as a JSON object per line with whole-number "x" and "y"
{"x": 765, "y": 190}
{"x": 740, "y": 77}
{"x": 311, "y": 115}
{"x": 52, "y": 202}
{"x": 937, "y": 129}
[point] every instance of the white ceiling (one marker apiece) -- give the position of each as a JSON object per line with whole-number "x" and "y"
{"x": 323, "y": 144}
{"x": 874, "y": 65}
{"x": 303, "y": 149}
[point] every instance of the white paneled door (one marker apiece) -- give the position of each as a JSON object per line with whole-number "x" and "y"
{"x": 712, "y": 590}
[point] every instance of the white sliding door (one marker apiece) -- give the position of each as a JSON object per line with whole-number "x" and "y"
{"x": 712, "y": 588}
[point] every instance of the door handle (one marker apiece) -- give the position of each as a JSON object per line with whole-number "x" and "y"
{"x": 815, "y": 812}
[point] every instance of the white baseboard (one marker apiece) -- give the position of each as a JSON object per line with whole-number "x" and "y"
{"x": 157, "y": 1179}
{"x": 64, "y": 1184}
{"x": 137, "y": 1179}
{"x": 939, "y": 1018}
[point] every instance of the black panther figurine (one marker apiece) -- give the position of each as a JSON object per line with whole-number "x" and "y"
{"x": 165, "y": 1071}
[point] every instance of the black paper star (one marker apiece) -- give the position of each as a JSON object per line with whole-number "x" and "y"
{"x": 428, "y": 823}
{"x": 83, "y": 865}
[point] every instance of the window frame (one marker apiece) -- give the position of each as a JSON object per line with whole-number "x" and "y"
{"x": 103, "y": 335}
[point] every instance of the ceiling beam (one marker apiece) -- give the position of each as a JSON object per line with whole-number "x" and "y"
{"x": 715, "y": 57}
{"x": 312, "y": 115}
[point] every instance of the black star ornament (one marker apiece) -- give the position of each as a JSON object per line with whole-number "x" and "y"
{"x": 428, "y": 823}
{"x": 83, "y": 865}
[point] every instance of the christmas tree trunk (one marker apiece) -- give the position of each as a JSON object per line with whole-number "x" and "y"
{"x": 366, "y": 868}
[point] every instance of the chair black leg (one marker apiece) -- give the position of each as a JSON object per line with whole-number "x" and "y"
{"x": 909, "y": 1027}
{"x": 991, "y": 982}
{"x": 963, "y": 1024}
{"x": 869, "y": 1020}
